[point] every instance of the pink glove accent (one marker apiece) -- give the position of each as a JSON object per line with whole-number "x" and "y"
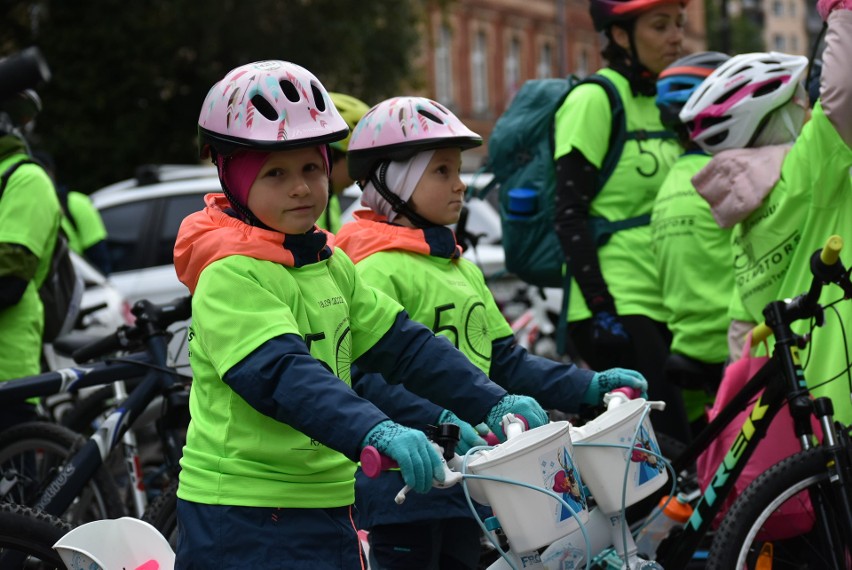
{"x": 826, "y": 7}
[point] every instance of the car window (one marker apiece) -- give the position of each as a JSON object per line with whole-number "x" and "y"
{"x": 124, "y": 223}
{"x": 175, "y": 209}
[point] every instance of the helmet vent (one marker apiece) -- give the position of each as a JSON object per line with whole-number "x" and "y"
{"x": 264, "y": 107}
{"x": 290, "y": 91}
{"x": 319, "y": 100}
{"x": 430, "y": 116}
{"x": 717, "y": 138}
{"x": 767, "y": 89}
{"x": 727, "y": 95}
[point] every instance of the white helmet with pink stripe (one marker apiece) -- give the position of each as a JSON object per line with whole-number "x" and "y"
{"x": 268, "y": 105}
{"x": 735, "y": 106}
{"x": 398, "y": 128}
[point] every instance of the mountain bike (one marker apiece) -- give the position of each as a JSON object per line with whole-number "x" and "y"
{"x": 147, "y": 341}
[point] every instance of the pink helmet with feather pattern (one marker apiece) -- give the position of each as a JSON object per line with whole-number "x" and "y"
{"x": 268, "y": 105}
{"x": 398, "y": 128}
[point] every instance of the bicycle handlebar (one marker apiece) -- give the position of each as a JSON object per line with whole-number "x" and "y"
{"x": 826, "y": 267}
{"x": 830, "y": 253}
{"x": 150, "y": 319}
{"x": 373, "y": 462}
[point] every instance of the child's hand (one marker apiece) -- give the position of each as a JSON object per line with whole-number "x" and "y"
{"x": 518, "y": 405}
{"x": 609, "y": 380}
{"x": 417, "y": 459}
{"x": 468, "y": 436}
{"x": 826, "y": 7}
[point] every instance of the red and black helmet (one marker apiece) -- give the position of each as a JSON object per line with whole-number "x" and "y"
{"x": 608, "y": 12}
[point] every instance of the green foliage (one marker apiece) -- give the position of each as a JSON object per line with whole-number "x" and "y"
{"x": 129, "y": 77}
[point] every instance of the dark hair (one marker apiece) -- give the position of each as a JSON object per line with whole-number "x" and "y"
{"x": 616, "y": 55}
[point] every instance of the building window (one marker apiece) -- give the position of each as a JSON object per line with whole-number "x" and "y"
{"x": 792, "y": 8}
{"x": 794, "y": 43}
{"x": 444, "y": 65}
{"x": 479, "y": 66}
{"x": 778, "y": 42}
{"x": 512, "y": 69}
{"x": 545, "y": 59}
{"x": 778, "y": 8}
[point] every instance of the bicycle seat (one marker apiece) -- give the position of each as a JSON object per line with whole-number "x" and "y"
{"x": 693, "y": 374}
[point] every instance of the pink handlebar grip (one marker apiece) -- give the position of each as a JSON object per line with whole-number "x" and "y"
{"x": 373, "y": 462}
{"x": 493, "y": 440}
{"x": 631, "y": 393}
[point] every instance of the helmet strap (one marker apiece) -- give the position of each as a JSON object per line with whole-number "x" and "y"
{"x": 378, "y": 177}
{"x": 641, "y": 80}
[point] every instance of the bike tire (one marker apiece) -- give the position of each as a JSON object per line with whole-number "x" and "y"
{"x": 31, "y": 534}
{"x": 736, "y": 545}
{"x": 36, "y": 451}
{"x": 162, "y": 514}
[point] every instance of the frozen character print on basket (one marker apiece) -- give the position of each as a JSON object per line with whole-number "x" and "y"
{"x": 650, "y": 465}
{"x": 561, "y": 476}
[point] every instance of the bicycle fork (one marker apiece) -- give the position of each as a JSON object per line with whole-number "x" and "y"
{"x": 836, "y": 495}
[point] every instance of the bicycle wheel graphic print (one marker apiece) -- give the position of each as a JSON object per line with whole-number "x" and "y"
{"x": 476, "y": 331}
{"x": 343, "y": 356}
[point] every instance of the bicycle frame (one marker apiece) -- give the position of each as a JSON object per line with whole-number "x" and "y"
{"x": 81, "y": 466}
{"x": 783, "y": 379}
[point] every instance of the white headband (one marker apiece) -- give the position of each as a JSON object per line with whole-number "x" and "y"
{"x": 401, "y": 179}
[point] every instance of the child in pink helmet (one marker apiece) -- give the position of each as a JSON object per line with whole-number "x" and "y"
{"x": 406, "y": 155}
{"x": 279, "y": 316}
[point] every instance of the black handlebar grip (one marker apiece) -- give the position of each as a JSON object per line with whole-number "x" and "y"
{"x": 100, "y": 347}
{"x": 182, "y": 308}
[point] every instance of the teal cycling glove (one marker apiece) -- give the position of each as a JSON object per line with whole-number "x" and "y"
{"x": 518, "y": 405}
{"x": 609, "y": 380}
{"x": 417, "y": 459}
{"x": 468, "y": 437}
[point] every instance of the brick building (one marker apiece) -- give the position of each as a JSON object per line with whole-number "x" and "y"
{"x": 480, "y": 51}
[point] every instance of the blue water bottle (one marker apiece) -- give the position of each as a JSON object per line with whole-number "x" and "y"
{"x": 523, "y": 203}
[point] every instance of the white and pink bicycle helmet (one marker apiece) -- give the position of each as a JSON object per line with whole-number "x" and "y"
{"x": 398, "y": 128}
{"x": 734, "y": 107}
{"x": 268, "y": 105}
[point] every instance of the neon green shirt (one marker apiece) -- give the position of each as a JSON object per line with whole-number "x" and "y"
{"x": 235, "y": 455}
{"x": 88, "y": 228}
{"x": 448, "y": 296}
{"x": 627, "y": 263}
{"x": 29, "y": 216}
{"x": 693, "y": 257}
{"x": 773, "y": 245}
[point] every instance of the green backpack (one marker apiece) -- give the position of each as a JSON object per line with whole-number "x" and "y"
{"x": 520, "y": 154}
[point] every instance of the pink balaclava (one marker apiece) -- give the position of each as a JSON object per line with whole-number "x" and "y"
{"x": 240, "y": 170}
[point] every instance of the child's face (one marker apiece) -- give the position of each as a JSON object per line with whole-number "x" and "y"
{"x": 439, "y": 195}
{"x": 290, "y": 191}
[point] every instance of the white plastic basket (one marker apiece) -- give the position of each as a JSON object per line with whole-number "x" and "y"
{"x": 615, "y": 445}
{"x": 115, "y": 544}
{"x": 541, "y": 457}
